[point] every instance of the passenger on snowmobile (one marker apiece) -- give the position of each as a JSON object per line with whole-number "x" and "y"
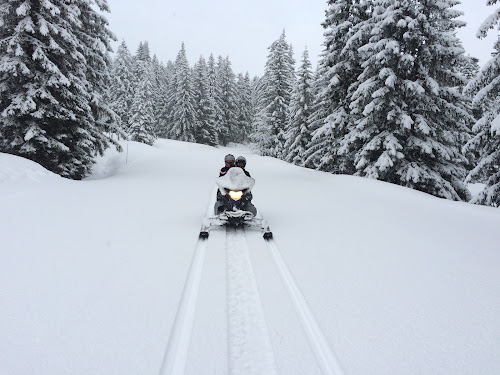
{"x": 229, "y": 162}
{"x": 242, "y": 162}
{"x": 235, "y": 192}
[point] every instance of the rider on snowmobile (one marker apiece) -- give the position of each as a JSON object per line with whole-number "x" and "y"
{"x": 242, "y": 162}
{"x": 229, "y": 162}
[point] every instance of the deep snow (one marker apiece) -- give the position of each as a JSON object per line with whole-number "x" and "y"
{"x": 363, "y": 277}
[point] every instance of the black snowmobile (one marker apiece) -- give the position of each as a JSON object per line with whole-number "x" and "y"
{"x": 233, "y": 206}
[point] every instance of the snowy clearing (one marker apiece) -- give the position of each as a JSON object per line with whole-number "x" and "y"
{"x": 108, "y": 276}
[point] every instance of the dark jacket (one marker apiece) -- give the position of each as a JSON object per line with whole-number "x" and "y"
{"x": 246, "y": 172}
{"x": 223, "y": 171}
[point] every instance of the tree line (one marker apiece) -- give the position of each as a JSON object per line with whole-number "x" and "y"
{"x": 394, "y": 96}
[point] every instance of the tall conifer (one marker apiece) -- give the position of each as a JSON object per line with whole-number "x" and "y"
{"x": 298, "y": 133}
{"x": 411, "y": 119}
{"x": 53, "y": 74}
{"x": 277, "y": 85}
{"x": 485, "y": 143}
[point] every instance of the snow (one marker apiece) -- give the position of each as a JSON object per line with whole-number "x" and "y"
{"x": 107, "y": 276}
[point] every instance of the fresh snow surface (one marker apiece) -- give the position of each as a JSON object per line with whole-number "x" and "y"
{"x": 107, "y": 275}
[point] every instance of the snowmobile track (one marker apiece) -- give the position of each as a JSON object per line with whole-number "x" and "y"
{"x": 250, "y": 349}
{"x": 249, "y": 345}
{"x": 327, "y": 361}
{"x": 176, "y": 354}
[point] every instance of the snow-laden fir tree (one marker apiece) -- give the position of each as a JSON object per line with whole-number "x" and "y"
{"x": 96, "y": 39}
{"x": 159, "y": 94}
{"x": 469, "y": 67}
{"x": 298, "y": 133}
{"x": 215, "y": 93}
{"x": 143, "y": 52}
{"x": 335, "y": 80}
{"x": 244, "y": 108}
{"x": 183, "y": 116}
{"x": 167, "y": 90}
{"x": 226, "y": 100}
{"x": 142, "y": 118}
{"x": 53, "y": 74}
{"x": 278, "y": 81}
{"x": 412, "y": 119}
{"x": 121, "y": 90}
{"x": 486, "y": 140}
{"x": 206, "y": 132}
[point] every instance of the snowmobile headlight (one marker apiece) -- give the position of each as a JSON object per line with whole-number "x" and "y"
{"x": 235, "y": 195}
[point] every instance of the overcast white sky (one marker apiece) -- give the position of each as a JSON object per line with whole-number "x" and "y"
{"x": 243, "y": 30}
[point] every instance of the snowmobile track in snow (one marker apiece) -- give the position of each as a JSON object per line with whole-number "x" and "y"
{"x": 249, "y": 346}
{"x": 176, "y": 354}
{"x": 325, "y": 357}
{"x": 250, "y": 349}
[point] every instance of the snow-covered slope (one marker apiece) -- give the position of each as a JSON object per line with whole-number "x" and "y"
{"x": 363, "y": 277}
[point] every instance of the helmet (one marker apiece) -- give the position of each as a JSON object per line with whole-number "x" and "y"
{"x": 241, "y": 160}
{"x": 229, "y": 159}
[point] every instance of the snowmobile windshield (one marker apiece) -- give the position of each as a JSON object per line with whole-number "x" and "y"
{"x": 235, "y": 179}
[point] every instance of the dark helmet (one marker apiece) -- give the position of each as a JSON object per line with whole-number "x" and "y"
{"x": 229, "y": 159}
{"x": 241, "y": 161}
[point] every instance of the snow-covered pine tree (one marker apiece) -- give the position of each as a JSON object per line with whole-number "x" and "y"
{"x": 96, "y": 39}
{"x": 298, "y": 133}
{"x": 260, "y": 135}
{"x": 142, "y": 120}
{"x": 469, "y": 67}
{"x": 215, "y": 94}
{"x": 485, "y": 143}
{"x": 121, "y": 90}
{"x": 278, "y": 81}
{"x": 167, "y": 97}
{"x": 226, "y": 100}
{"x": 183, "y": 116}
{"x": 412, "y": 119}
{"x": 159, "y": 99}
{"x": 53, "y": 73}
{"x": 143, "y": 52}
{"x": 335, "y": 80}
{"x": 244, "y": 110}
{"x": 204, "y": 106}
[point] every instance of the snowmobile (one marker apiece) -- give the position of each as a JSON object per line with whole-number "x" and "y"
{"x": 234, "y": 207}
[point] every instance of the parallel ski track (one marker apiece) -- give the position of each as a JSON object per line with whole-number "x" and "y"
{"x": 176, "y": 354}
{"x": 250, "y": 350}
{"x": 325, "y": 357}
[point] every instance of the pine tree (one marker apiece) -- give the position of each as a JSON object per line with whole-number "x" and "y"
{"x": 486, "y": 140}
{"x": 167, "y": 97}
{"x": 183, "y": 114}
{"x": 298, "y": 134}
{"x": 53, "y": 74}
{"x": 469, "y": 67}
{"x": 335, "y": 80}
{"x": 141, "y": 123}
{"x": 204, "y": 108}
{"x": 159, "y": 99}
{"x": 226, "y": 100}
{"x": 215, "y": 94}
{"x": 277, "y": 84}
{"x": 244, "y": 108}
{"x": 143, "y": 52}
{"x": 121, "y": 90}
{"x": 411, "y": 117}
